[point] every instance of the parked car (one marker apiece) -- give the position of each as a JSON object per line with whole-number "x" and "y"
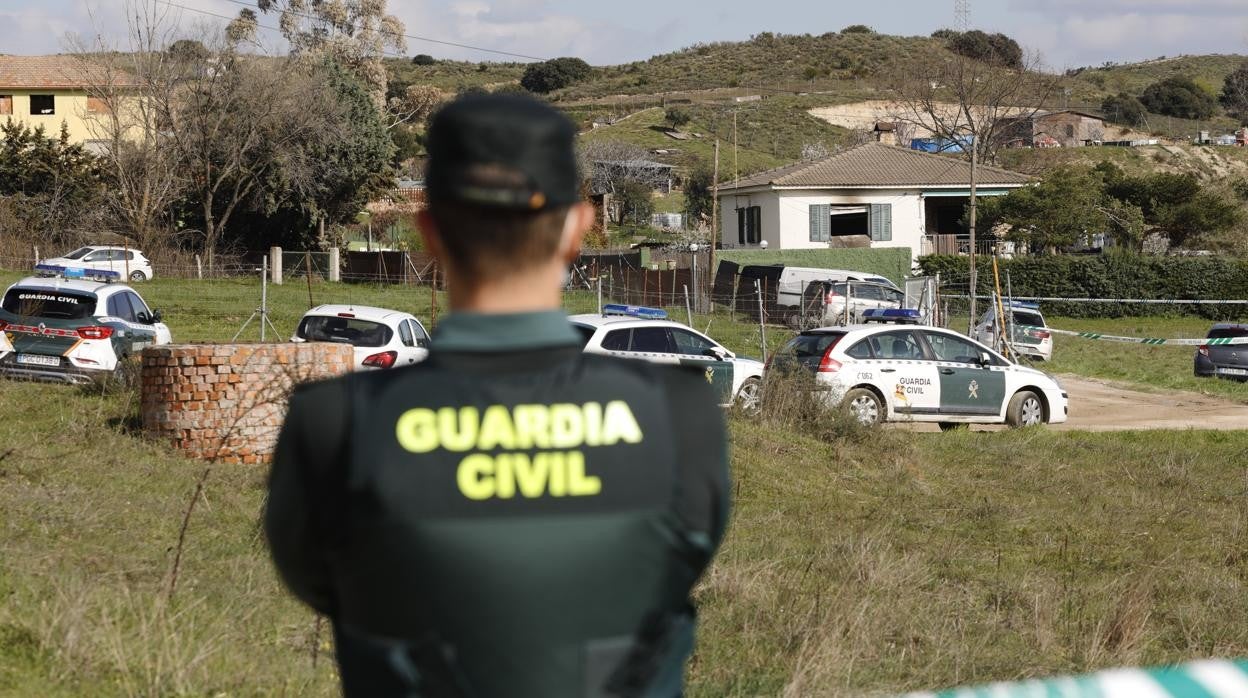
{"x": 1029, "y": 337}
{"x": 75, "y": 327}
{"x": 128, "y": 262}
{"x": 644, "y": 333}
{"x": 382, "y": 338}
{"x": 793, "y": 282}
{"x": 887, "y": 373}
{"x": 824, "y": 302}
{"x": 1215, "y": 359}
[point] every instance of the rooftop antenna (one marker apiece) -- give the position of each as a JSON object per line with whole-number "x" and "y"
{"x": 962, "y": 14}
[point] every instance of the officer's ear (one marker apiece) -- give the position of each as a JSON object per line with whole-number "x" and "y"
{"x": 580, "y": 218}
{"x": 431, "y": 235}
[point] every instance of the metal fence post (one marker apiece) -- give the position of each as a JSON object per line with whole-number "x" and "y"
{"x": 762, "y": 329}
{"x": 688, "y": 309}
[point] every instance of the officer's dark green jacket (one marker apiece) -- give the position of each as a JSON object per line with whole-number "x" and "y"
{"x": 509, "y": 518}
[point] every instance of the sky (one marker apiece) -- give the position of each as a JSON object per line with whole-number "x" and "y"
{"x": 1065, "y": 33}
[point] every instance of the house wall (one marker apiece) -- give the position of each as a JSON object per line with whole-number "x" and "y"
{"x": 71, "y": 109}
{"x": 1071, "y": 130}
{"x": 786, "y": 216}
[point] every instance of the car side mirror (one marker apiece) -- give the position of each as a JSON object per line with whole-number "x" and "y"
{"x": 985, "y": 359}
{"x": 156, "y": 317}
{"x": 718, "y": 352}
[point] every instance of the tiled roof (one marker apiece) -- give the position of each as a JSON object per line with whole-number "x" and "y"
{"x": 53, "y": 72}
{"x": 878, "y": 165}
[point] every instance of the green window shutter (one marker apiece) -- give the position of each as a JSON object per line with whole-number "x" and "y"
{"x": 820, "y": 222}
{"x": 881, "y": 222}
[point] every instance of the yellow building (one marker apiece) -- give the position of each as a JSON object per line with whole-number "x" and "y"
{"x": 49, "y": 91}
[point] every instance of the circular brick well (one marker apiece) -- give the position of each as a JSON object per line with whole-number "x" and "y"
{"x": 226, "y": 402}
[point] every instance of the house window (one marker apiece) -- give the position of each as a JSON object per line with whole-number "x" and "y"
{"x": 828, "y": 221}
{"x": 42, "y": 105}
{"x": 749, "y": 225}
{"x": 6, "y": 104}
{"x": 1070, "y": 130}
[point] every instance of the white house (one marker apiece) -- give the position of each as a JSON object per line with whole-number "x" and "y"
{"x": 874, "y": 195}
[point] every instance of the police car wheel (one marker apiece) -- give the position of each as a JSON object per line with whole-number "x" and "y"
{"x": 1025, "y": 410}
{"x": 954, "y": 426}
{"x": 750, "y": 397}
{"x": 138, "y": 276}
{"x": 864, "y": 406}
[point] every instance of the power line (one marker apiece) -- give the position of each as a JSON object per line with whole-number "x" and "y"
{"x": 382, "y": 31}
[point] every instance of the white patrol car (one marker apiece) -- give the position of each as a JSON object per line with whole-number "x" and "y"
{"x": 646, "y": 333}
{"x": 923, "y": 374}
{"x": 382, "y": 338}
{"x": 74, "y": 327}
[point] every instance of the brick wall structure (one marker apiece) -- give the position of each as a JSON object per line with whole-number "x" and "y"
{"x": 226, "y": 402}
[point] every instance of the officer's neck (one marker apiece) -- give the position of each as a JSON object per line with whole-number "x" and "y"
{"x": 515, "y": 293}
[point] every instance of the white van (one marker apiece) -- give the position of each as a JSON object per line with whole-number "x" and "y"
{"x": 794, "y": 280}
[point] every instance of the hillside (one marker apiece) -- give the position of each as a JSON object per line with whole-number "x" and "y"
{"x": 1090, "y": 85}
{"x": 1209, "y": 163}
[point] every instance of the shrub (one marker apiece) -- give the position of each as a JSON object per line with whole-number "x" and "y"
{"x": 997, "y": 49}
{"x": 1124, "y": 109}
{"x": 554, "y": 74}
{"x": 676, "y": 117}
{"x": 1179, "y": 96}
{"x": 424, "y": 59}
{"x": 1115, "y": 276}
{"x": 857, "y": 29}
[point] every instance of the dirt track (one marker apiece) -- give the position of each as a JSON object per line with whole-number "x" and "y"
{"x": 1103, "y": 406}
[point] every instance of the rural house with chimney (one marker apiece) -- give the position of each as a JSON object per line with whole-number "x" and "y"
{"x": 874, "y": 195}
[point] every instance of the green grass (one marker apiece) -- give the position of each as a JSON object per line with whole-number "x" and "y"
{"x": 877, "y": 562}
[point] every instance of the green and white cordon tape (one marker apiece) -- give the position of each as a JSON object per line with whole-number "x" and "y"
{"x": 1203, "y": 679}
{"x": 1151, "y": 341}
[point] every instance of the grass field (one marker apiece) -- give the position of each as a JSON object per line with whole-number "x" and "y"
{"x": 855, "y": 563}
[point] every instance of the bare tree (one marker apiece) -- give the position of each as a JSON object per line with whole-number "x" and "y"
{"x": 124, "y": 91}
{"x": 974, "y": 105}
{"x": 417, "y": 104}
{"x": 612, "y": 167}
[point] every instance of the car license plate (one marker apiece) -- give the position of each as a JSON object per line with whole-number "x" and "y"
{"x": 1233, "y": 371}
{"x": 38, "y": 360}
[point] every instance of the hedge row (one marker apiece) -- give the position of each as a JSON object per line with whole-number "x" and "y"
{"x": 1111, "y": 276}
{"x": 890, "y": 262}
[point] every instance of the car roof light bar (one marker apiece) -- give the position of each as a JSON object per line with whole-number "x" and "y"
{"x": 636, "y": 311}
{"x": 77, "y": 273}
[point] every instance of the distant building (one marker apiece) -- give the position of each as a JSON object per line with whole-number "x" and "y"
{"x": 1050, "y": 129}
{"x": 874, "y": 195}
{"x": 49, "y": 91}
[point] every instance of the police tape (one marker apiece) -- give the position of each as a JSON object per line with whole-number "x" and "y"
{"x": 1201, "y": 679}
{"x": 1150, "y": 341}
{"x": 1138, "y": 301}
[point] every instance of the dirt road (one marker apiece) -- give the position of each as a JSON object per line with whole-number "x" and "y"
{"x": 1103, "y": 406}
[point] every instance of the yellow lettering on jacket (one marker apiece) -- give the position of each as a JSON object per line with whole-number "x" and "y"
{"x": 497, "y": 427}
{"x": 558, "y": 474}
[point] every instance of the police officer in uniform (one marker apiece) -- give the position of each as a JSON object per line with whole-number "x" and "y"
{"x": 510, "y": 517}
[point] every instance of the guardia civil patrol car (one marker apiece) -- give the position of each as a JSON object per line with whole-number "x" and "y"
{"x": 923, "y": 374}
{"x": 635, "y": 332}
{"x": 73, "y": 327}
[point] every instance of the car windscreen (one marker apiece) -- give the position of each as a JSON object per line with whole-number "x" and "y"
{"x": 1228, "y": 332}
{"x": 48, "y": 303}
{"x": 1022, "y": 317}
{"x": 78, "y": 253}
{"x": 354, "y": 331}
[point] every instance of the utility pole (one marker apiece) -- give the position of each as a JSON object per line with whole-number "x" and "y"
{"x": 962, "y": 14}
{"x": 715, "y": 203}
{"x": 736, "y": 172}
{"x": 974, "y": 206}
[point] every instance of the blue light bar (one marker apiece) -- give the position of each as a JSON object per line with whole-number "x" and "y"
{"x": 636, "y": 311}
{"x": 77, "y": 272}
{"x": 1030, "y": 305}
{"x": 892, "y": 313}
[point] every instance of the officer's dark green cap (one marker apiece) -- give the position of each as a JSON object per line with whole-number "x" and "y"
{"x": 502, "y": 151}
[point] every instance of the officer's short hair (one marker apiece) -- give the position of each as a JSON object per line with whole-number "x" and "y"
{"x": 483, "y": 242}
{"x": 502, "y": 175}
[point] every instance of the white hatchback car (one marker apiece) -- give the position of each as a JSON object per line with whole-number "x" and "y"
{"x": 632, "y": 332}
{"x": 923, "y": 374}
{"x": 128, "y": 262}
{"x": 1030, "y": 337}
{"x": 382, "y": 338}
